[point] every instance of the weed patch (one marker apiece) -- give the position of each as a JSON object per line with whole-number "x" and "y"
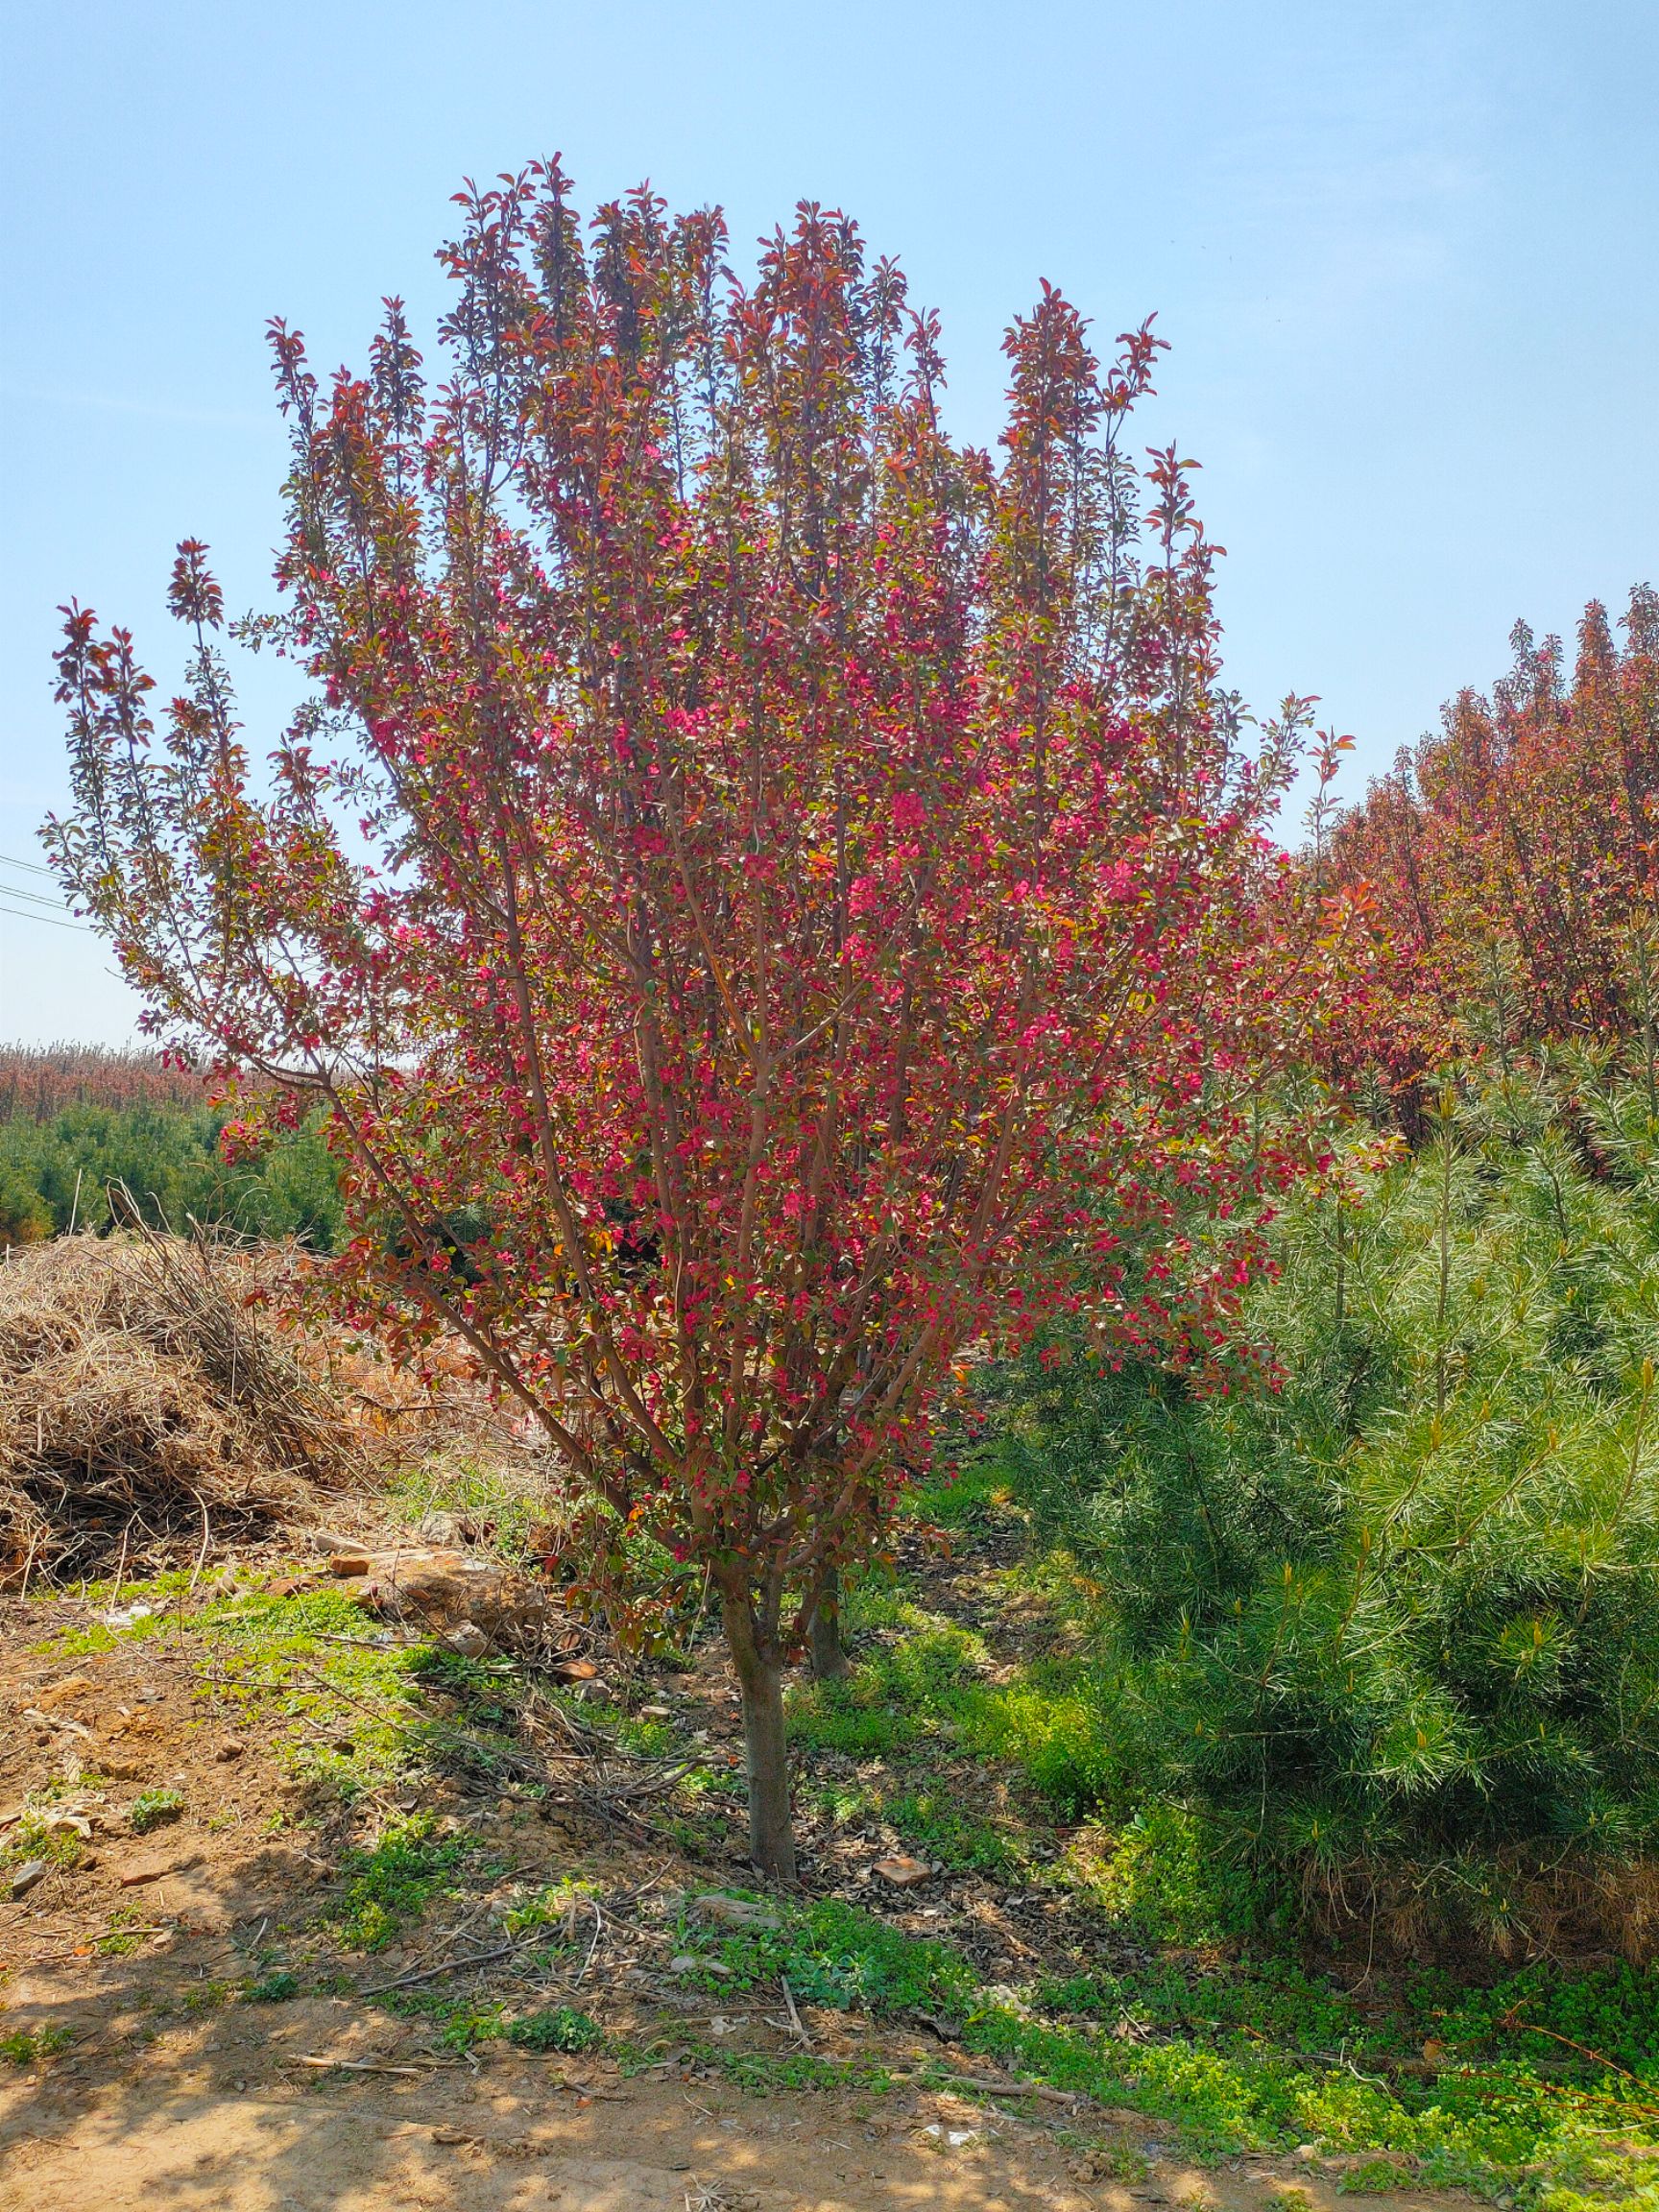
{"x": 1165, "y": 1875}
{"x": 32, "y": 1838}
{"x": 562, "y": 2029}
{"x": 277, "y": 1989}
{"x": 833, "y": 1954}
{"x": 933, "y": 1822}
{"x": 898, "y": 1695}
{"x": 154, "y": 1809}
{"x": 391, "y": 1882}
{"x": 28, "y": 2046}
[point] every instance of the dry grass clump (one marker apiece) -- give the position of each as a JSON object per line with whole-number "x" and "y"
{"x": 145, "y": 1409}
{"x": 1506, "y": 1908}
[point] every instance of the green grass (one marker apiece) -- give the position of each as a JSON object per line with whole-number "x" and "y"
{"x": 765, "y": 2074}
{"x": 967, "y": 1500}
{"x": 919, "y": 1682}
{"x": 390, "y": 1883}
{"x": 28, "y": 2046}
{"x": 461, "y": 2023}
{"x": 918, "y": 1698}
{"x": 311, "y": 1661}
{"x": 1264, "y": 2056}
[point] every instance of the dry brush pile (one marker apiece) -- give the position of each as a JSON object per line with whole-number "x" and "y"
{"x": 145, "y": 1407}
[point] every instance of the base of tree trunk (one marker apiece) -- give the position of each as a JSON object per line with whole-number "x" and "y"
{"x": 828, "y": 1654}
{"x": 765, "y": 1752}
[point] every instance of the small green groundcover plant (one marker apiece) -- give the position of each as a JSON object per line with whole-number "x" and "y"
{"x": 562, "y": 2029}
{"x": 154, "y": 1809}
{"x": 464, "y": 2022}
{"x": 28, "y": 2046}
{"x": 278, "y": 1988}
{"x": 390, "y": 1882}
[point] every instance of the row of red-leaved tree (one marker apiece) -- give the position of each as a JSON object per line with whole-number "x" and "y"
{"x": 1515, "y": 853}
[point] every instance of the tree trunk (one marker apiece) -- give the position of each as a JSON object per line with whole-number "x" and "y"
{"x": 761, "y": 1680}
{"x": 829, "y": 1654}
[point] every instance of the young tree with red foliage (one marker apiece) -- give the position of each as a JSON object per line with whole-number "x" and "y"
{"x": 765, "y": 891}
{"x": 1516, "y": 852}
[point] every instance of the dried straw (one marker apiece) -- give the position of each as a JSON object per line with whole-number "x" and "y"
{"x": 146, "y": 1410}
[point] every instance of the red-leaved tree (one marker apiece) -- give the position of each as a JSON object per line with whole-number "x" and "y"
{"x": 1515, "y": 852}
{"x": 765, "y": 891}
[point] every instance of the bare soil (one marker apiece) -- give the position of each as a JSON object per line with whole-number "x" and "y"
{"x": 173, "y": 2092}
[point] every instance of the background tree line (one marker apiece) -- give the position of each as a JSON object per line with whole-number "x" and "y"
{"x": 76, "y": 1122}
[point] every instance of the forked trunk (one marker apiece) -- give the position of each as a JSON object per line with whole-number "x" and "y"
{"x": 761, "y": 1681}
{"x": 829, "y": 1652}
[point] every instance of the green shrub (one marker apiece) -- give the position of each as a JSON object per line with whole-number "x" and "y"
{"x": 1403, "y": 1606}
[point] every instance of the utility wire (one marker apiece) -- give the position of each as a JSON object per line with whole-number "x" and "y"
{"x": 34, "y": 866}
{"x": 35, "y": 897}
{"x": 23, "y": 914}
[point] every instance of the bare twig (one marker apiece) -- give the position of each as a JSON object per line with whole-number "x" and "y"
{"x": 206, "y": 1544}
{"x": 448, "y": 1966}
{"x": 598, "y": 1931}
{"x": 1007, "y": 2088}
{"x": 362, "y": 2066}
{"x": 794, "y": 2015}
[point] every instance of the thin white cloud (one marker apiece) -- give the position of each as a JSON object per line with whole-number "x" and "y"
{"x": 150, "y": 410}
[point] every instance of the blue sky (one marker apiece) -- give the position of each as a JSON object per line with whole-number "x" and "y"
{"x": 1405, "y": 255}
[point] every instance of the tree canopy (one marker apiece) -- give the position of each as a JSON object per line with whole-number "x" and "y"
{"x": 765, "y": 892}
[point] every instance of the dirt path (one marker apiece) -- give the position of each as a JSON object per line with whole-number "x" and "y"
{"x": 176, "y": 2134}
{"x": 219, "y": 2115}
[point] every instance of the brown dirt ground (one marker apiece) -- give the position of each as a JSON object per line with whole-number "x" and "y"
{"x": 174, "y": 2097}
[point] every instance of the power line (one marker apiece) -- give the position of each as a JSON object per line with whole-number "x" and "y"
{"x": 35, "y": 897}
{"x": 23, "y": 914}
{"x": 34, "y": 866}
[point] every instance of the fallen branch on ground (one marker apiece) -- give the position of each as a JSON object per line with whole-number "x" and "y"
{"x": 362, "y": 2066}
{"x": 448, "y": 1966}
